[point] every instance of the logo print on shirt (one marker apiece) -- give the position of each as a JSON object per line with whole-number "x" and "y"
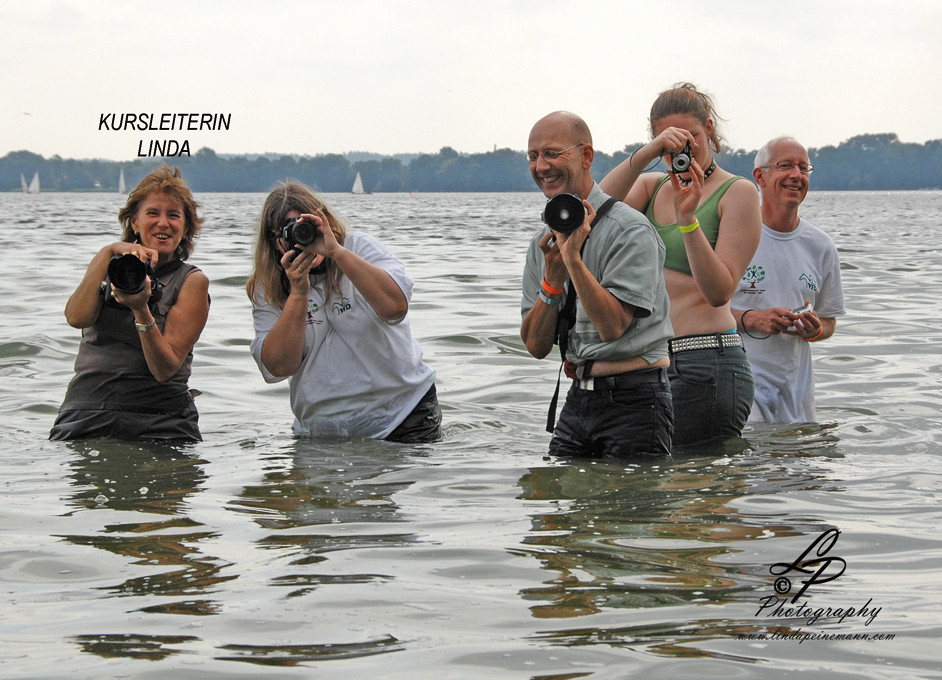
{"x": 809, "y": 281}
{"x": 754, "y": 275}
{"x": 342, "y": 306}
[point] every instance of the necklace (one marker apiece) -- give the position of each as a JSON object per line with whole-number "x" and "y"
{"x": 709, "y": 171}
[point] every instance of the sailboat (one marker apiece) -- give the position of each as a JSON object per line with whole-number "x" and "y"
{"x": 358, "y": 185}
{"x": 122, "y": 186}
{"x": 33, "y": 187}
{"x": 23, "y": 184}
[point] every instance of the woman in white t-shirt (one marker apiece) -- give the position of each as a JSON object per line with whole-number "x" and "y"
{"x": 330, "y": 311}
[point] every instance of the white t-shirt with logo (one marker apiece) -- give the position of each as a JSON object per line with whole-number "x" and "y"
{"x": 359, "y": 375}
{"x": 787, "y": 269}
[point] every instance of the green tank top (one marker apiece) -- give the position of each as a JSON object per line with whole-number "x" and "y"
{"x": 708, "y": 217}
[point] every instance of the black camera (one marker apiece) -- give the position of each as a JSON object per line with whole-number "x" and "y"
{"x": 564, "y": 213}
{"x": 680, "y": 161}
{"x": 298, "y": 232}
{"x": 128, "y": 274}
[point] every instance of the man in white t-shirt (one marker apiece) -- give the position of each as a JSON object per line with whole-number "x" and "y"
{"x": 796, "y": 266}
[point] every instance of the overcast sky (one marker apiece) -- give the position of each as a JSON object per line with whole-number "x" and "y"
{"x": 391, "y": 76}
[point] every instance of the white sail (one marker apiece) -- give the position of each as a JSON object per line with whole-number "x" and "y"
{"x": 358, "y": 185}
{"x": 34, "y": 185}
{"x": 23, "y": 184}
{"x": 122, "y": 187}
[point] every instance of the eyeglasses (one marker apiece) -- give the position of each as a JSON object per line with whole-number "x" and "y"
{"x": 788, "y": 166}
{"x": 549, "y": 154}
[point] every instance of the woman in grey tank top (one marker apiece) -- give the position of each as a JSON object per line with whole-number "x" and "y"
{"x": 141, "y": 309}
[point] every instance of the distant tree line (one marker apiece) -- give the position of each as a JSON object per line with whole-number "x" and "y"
{"x": 865, "y": 162}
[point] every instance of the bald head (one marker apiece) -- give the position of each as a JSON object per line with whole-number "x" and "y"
{"x": 565, "y": 126}
{"x": 566, "y": 137}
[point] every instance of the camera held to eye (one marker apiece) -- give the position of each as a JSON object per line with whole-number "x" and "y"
{"x": 128, "y": 274}
{"x": 564, "y": 213}
{"x": 299, "y": 233}
{"x": 680, "y": 161}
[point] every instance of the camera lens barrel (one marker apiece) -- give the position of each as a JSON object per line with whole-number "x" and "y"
{"x": 564, "y": 213}
{"x": 127, "y": 273}
{"x": 300, "y": 233}
{"x": 680, "y": 161}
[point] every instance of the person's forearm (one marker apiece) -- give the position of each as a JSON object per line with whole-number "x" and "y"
{"x": 607, "y": 313}
{"x": 538, "y": 330}
{"x": 84, "y": 304}
{"x": 375, "y": 284}
{"x": 283, "y": 348}
{"x": 166, "y": 350}
{"x": 622, "y": 177}
{"x": 712, "y": 276}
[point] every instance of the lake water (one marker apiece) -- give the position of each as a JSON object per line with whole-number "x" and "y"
{"x": 255, "y": 554}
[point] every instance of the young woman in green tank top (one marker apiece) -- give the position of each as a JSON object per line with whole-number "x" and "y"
{"x": 710, "y": 224}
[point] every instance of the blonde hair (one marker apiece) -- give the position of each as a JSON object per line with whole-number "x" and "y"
{"x": 268, "y": 276}
{"x": 163, "y": 180}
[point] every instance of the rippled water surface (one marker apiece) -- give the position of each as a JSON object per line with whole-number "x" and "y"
{"x": 256, "y": 554}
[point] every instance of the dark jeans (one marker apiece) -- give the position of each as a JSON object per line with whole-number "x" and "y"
{"x": 712, "y": 391}
{"x": 630, "y": 421}
{"x": 424, "y": 424}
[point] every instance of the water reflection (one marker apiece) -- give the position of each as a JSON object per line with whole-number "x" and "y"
{"x": 150, "y": 482}
{"x": 148, "y": 647}
{"x": 293, "y": 655}
{"x": 147, "y": 477}
{"x": 317, "y": 498}
{"x": 313, "y": 482}
{"x": 671, "y": 537}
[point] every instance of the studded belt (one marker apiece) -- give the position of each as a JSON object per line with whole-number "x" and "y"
{"x": 689, "y": 343}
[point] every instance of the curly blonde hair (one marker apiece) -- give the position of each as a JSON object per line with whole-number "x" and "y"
{"x": 163, "y": 180}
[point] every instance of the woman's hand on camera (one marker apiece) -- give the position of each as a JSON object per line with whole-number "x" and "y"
{"x": 137, "y": 301}
{"x": 297, "y": 265}
{"x": 143, "y": 254}
{"x": 687, "y": 192}
{"x": 326, "y": 243}
{"x": 674, "y": 139}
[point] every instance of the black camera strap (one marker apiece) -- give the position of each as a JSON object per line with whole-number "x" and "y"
{"x": 567, "y": 319}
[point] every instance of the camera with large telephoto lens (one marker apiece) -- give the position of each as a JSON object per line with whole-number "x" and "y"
{"x": 680, "y": 161}
{"x": 299, "y": 233}
{"x": 128, "y": 274}
{"x": 564, "y": 213}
